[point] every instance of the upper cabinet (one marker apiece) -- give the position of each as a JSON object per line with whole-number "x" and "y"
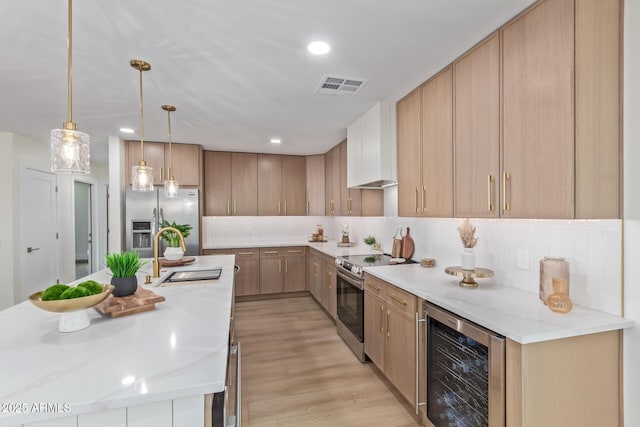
{"x": 371, "y": 154}
{"x": 425, "y": 177}
{"x": 477, "y": 131}
{"x": 536, "y": 121}
{"x": 537, "y": 111}
{"x": 350, "y": 198}
{"x": 281, "y": 185}
{"x": 315, "y": 184}
{"x": 187, "y": 162}
{"x": 332, "y": 181}
{"x": 231, "y": 183}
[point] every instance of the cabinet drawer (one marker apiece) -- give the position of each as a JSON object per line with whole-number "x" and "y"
{"x": 217, "y": 252}
{"x": 247, "y": 253}
{"x": 294, "y": 251}
{"x": 401, "y": 300}
{"x": 271, "y": 252}
{"x": 374, "y": 286}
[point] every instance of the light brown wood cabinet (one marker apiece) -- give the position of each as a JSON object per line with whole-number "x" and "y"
{"x": 187, "y": 162}
{"x": 477, "y": 131}
{"x": 389, "y": 314}
{"x": 425, "y": 149}
{"x": 323, "y": 281}
{"x": 281, "y": 185}
{"x": 283, "y": 270}
{"x": 248, "y": 261}
{"x": 315, "y": 185}
{"x": 350, "y": 198}
{"x": 332, "y": 181}
{"x": 537, "y": 110}
{"x": 230, "y": 183}
{"x": 572, "y": 382}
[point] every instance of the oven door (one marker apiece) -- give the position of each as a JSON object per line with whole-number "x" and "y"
{"x": 350, "y": 305}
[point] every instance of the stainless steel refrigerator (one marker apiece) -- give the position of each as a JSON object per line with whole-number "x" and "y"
{"x": 144, "y": 210}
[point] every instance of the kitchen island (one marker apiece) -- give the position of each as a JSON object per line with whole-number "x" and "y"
{"x": 146, "y": 369}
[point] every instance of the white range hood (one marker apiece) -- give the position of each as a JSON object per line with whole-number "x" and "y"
{"x": 371, "y": 148}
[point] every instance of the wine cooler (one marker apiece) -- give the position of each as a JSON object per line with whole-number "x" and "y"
{"x": 465, "y": 372}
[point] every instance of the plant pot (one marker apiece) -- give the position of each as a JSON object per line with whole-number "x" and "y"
{"x": 173, "y": 254}
{"x": 123, "y": 286}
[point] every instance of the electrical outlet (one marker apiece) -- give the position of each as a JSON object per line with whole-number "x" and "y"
{"x": 523, "y": 259}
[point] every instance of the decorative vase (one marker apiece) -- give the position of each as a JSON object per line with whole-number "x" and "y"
{"x": 468, "y": 259}
{"x": 123, "y": 286}
{"x": 173, "y": 254}
{"x": 345, "y": 239}
{"x": 552, "y": 268}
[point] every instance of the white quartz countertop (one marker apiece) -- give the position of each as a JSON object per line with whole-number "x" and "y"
{"x": 178, "y": 349}
{"x": 513, "y": 313}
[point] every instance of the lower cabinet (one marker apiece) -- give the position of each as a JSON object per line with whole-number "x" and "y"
{"x": 323, "y": 281}
{"x": 389, "y": 333}
{"x": 268, "y": 270}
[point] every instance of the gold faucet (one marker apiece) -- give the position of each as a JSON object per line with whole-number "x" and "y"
{"x": 156, "y": 263}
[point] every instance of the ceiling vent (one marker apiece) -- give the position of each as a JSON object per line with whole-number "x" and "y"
{"x": 340, "y": 86}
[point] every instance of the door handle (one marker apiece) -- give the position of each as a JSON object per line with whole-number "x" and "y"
{"x": 30, "y": 249}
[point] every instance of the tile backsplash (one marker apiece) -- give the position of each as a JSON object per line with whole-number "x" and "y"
{"x": 593, "y": 248}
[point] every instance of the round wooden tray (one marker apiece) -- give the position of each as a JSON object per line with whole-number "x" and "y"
{"x": 468, "y": 276}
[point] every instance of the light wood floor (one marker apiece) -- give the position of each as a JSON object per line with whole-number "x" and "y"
{"x": 296, "y": 371}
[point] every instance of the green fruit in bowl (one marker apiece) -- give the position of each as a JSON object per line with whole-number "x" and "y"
{"x": 77, "y": 292}
{"x": 54, "y": 292}
{"x": 92, "y": 286}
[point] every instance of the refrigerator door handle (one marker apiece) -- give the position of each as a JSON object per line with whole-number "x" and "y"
{"x": 161, "y": 218}
{"x": 154, "y": 222}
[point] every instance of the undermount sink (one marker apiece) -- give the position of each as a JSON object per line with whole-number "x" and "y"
{"x": 184, "y": 277}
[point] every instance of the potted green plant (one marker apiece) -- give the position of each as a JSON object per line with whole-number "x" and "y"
{"x": 370, "y": 240}
{"x": 124, "y": 267}
{"x": 174, "y": 252}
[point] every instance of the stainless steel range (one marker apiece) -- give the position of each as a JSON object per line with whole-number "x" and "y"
{"x": 350, "y": 288}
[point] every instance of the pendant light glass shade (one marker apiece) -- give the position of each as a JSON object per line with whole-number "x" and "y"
{"x": 141, "y": 174}
{"x": 171, "y": 186}
{"x": 69, "y": 147}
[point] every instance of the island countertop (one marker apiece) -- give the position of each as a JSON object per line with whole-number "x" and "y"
{"x": 178, "y": 349}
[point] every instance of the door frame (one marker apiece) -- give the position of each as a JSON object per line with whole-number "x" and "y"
{"x": 95, "y": 238}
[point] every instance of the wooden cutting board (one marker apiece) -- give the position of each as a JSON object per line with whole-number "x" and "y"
{"x": 142, "y": 300}
{"x": 177, "y": 263}
{"x": 407, "y": 246}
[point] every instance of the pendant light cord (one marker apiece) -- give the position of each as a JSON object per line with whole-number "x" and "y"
{"x": 69, "y": 49}
{"x": 141, "y": 122}
{"x": 170, "y": 148}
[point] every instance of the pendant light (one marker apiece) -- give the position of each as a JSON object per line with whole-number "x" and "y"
{"x": 141, "y": 174}
{"x": 69, "y": 147}
{"x": 171, "y": 186}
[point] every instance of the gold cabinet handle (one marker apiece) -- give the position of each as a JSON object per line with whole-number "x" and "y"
{"x": 388, "y": 323}
{"x": 373, "y": 286}
{"x": 285, "y": 207}
{"x": 308, "y": 207}
{"x": 279, "y": 266}
{"x": 245, "y": 253}
{"x": 400, "y": 300}
{"x": 235, "y": 207}
{"x": 505, "y": 176}
{"x": 315, "y": 270}
{"x": 381, "y": 319}
{"x": 416, "y": 201}
{"x": 296, "y": 251}
{"x": 286, "y": 266}
{"x": 270, "y": 252}
{"x": 489, "y": 185}
{"x": 279, "y": 212}
{"x": 424, "y": 196}
{"x": 161, "y": 175}
{"x": 228, "y": 207}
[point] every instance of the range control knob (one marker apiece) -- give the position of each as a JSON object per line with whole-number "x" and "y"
{"x": 356, "y": 270}
{"x": 339, "y": 261}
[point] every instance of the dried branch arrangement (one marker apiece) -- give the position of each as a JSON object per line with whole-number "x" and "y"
{"x": 467, "y": 234}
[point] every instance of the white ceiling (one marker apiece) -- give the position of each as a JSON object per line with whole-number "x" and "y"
{"x": 237, "y": 71}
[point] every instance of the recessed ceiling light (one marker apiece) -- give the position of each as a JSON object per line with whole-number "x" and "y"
{"x": 126, "y": 130}
{"x": 319, "y": 47}
{"x": 275, "y": 141}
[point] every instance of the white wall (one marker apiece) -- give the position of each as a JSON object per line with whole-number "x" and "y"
{"x": 116, "y": 194}
{"x": 7, "y": 221}
{"x": 631, "y": 210}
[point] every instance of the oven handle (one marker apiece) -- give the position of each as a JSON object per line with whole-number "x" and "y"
{"x": 355, "y": 283}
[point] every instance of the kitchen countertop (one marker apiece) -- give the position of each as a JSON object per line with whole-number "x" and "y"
{"x": 513, "y": 313}
{"x": 177, "y": 350}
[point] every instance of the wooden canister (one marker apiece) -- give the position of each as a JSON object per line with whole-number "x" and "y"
{"x": 552, "y": 268}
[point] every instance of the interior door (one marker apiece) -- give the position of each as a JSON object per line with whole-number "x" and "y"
{"x": 83, "y": 225}
{"x": 38, "y": 225}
